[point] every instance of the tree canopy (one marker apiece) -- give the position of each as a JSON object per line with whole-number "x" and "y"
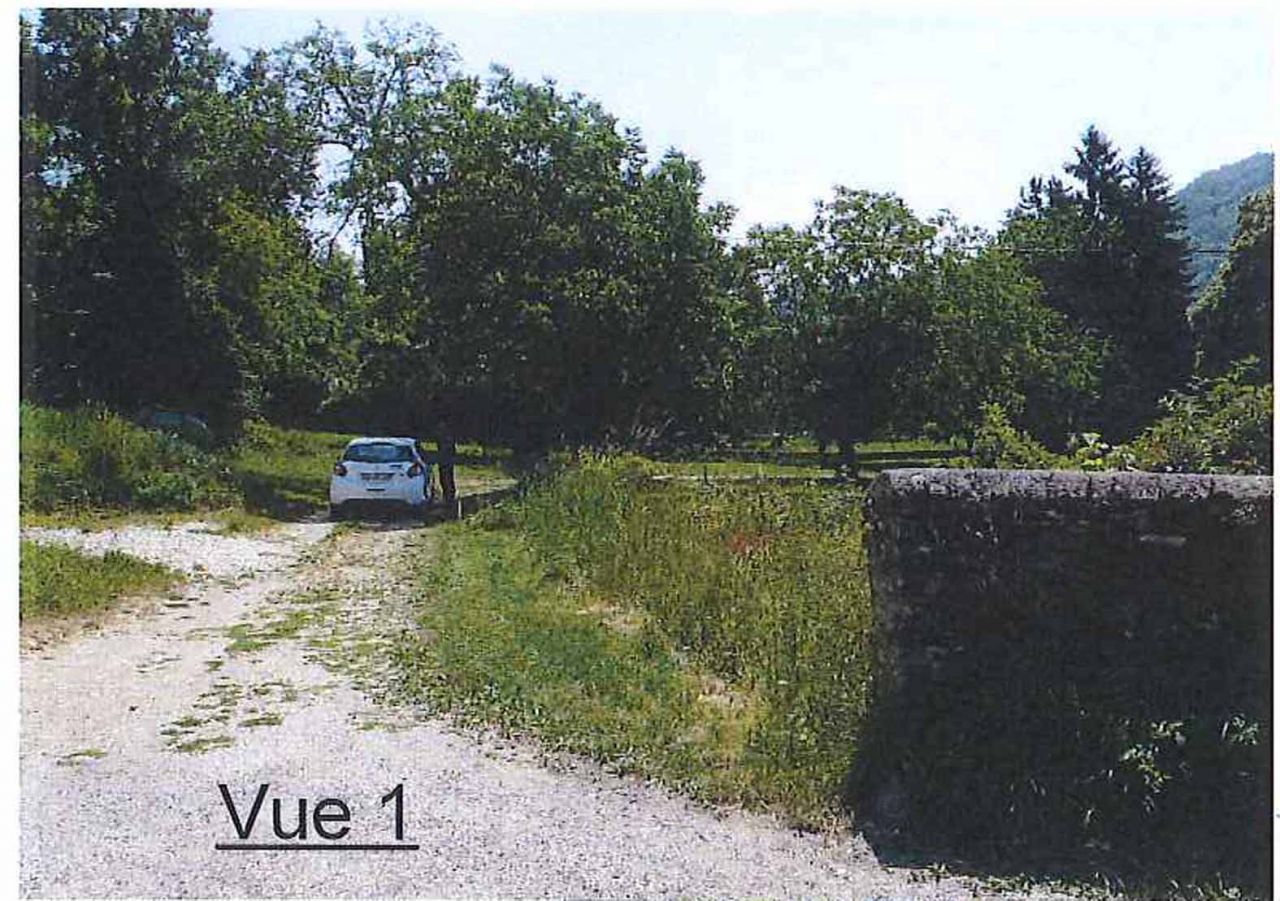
{"x": 361, "y": 235}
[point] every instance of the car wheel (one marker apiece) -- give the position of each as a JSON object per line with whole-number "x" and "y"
{"x": 336, "y": 513}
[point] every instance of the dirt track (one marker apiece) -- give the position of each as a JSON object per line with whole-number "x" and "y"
{"x": 268, "y": 669}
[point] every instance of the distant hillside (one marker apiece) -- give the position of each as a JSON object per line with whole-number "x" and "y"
{"x": 1211, "y": 201}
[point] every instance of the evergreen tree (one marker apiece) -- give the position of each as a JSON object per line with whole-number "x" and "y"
{"x": 1152, "y": 315}
{"x": 1109, "y": 251}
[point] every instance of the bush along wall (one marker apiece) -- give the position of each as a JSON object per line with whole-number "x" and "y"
{"x": 1073, "y": 665}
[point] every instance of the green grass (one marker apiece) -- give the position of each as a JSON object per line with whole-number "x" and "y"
{"x": 227, "y": 521}
{"x": 284, "y": 473}
{"x": 732, "y": 469}
{"x": 202, "y": 745}
{"x": 76, "y": 757}
{"x": 923, "y": 445}
{"x": 713, "y": 637}
{"x": 57, "y": 581}
{"x": 510, "y": 649}
{"x": 789, "y": 444}
{"x": 236, "y": 521}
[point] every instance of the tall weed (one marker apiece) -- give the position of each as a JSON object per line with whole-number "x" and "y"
{"x": 764, "y": 586}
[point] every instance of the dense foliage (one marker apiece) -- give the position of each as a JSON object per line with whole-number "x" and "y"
{"x": 363, "y": 238}
{"x": 93, "y": 458}
{"x": 1220, "y": 425}
{"x": 1217, "y": 425}
{"x": 159, "y": 185}
{"x": 878, "y": 323}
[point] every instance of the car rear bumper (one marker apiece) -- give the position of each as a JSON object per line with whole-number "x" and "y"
{"x": 409, "y": 491}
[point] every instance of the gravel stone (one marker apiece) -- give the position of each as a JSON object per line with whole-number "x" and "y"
{"x": 189, "y": 547}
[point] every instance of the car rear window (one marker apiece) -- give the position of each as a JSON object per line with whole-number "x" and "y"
{"x": 378, "y": 453}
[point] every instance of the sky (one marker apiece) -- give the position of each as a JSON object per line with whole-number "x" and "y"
{"x": 950, "y": 106}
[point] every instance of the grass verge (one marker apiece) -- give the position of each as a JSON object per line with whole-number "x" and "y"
{"x": 713, "y": 637}
{"x": 58, "y": 581}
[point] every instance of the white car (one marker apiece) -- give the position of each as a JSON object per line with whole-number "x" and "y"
{"x": 380, "y": 471}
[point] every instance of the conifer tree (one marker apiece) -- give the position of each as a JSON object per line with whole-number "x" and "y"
{"x": 1109, "y": 251}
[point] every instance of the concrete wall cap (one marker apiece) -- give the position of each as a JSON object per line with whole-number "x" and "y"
{"x": 987, "y": 484}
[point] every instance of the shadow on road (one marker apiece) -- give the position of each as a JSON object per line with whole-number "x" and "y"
{"x": 372, "y": 517}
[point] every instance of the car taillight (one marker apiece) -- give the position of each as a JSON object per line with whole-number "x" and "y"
{"x": 415, "y": 470}
{"x": 339, "y": 469}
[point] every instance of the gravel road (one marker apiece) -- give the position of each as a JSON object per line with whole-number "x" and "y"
{"x": 265, "y": 669}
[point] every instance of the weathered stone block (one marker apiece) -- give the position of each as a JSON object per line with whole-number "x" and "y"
{"x": 1035, "y": 628}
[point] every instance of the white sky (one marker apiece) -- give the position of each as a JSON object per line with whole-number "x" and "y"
{"x": 948, "y": 108}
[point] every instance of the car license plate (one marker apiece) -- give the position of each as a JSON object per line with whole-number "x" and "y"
{"x": 376, "y": 476}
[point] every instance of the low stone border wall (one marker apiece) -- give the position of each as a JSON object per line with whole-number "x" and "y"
{"x": 1076, "y": 659}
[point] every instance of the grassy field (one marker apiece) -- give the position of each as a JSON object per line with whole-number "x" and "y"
{"x": 92, "y": 468}
{"x": 57, "y": 581}
{"x": 714, "y": 637}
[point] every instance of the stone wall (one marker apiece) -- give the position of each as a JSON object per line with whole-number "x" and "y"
{"x": 1074, "y": 659}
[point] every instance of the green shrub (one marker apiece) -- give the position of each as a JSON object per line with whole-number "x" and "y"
{"x": 91, "y": 457}
{"x": 1218, "y": 425}
{"x": 998, "y": 444}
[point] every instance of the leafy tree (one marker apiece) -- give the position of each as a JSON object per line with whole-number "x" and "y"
{"x": 682, "y": 350}
{"x": 782, "y": 310}
{"x": 874, "y": 358}
{"x": 163, "y": 194}
{"x": 516, "y": 247}
{"x": 885, "y": 324}
{"x": 997, "y": 342}
{"x": 369, "y": 104}
{"x": 119, "y": 93}
{"x": 1233, "y": 319}
{"x": 295, "y": 320}
{"x": 527, "y": 277}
